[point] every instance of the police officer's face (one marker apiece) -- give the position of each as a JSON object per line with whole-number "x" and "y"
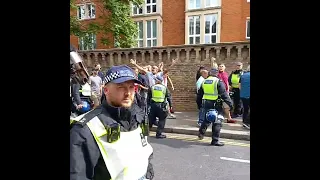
{"x": 120, "y": 95}
{"x": 239, "y": 67}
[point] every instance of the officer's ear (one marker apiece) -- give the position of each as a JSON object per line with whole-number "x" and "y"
{"x": 106, "y": 89}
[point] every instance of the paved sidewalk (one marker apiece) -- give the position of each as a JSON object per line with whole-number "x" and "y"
{"x": 186, "y": 123}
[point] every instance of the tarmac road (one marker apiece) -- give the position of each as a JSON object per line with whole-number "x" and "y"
{"x": 183, "y": 157}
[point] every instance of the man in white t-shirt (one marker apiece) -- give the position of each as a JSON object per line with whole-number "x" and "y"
{"x": 96, "y": 83}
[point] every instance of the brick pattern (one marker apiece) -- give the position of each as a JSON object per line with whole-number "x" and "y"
{"x": 233, "y": 25}
{"x": 183, "y": 76}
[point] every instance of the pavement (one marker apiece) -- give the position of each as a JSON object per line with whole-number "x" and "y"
{"x": 186, "y": 123}
{"x": 182, "y": 157}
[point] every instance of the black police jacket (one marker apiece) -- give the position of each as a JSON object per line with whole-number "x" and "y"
{"x": 86, "y": 162}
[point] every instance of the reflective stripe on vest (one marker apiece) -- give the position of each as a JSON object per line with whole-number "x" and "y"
{"x": 158, "y": 93}
{"x": 78, "y": 118}
{"x": 235, "y": 78}
{"x": 210, "y": 88}
{"x": 128, "y": 157}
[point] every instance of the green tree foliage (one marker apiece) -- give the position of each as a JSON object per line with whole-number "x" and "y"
{"x": 115, "y": 20}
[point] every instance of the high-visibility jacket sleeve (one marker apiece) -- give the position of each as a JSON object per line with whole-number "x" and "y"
{"x": 84, "y": 154}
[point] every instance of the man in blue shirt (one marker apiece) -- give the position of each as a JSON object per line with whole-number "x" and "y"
{"x": 245, "y": 97}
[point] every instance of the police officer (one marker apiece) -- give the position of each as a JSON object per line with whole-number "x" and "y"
{"x": 209, "y": 92}
{"x": 234, "y": 81}
{"x": 78, "y": 76}
{"x": 79, "y": 94}
{"x": 157, "y": 96}
{"x": 109, "y": 142}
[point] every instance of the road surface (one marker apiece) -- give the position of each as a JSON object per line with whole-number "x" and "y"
{"x": 183, "y": 157}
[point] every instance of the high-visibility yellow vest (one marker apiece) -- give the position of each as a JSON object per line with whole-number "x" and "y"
{"x": 235, "y": 78}
{"x": 158, "y": 93}
{"x": 127, "y": 158}
{"x": 210, "y": 88}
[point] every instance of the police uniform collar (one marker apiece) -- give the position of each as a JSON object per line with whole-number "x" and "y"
{"x": 118, "y": 113}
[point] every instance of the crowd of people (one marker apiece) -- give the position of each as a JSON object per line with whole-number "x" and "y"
{"x": 237, "y": 84}
{"x": 148, "y": 75}
{"x": 100, "y": 138}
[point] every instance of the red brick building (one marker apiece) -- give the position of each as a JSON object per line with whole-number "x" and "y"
{"x": 177, "y": 22}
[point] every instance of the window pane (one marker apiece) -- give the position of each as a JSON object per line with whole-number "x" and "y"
{"x": 214, "y": 3}
{"x": 140, "y": 43}
{"x": 154, "y": 1}
{"x": 214, "y": 27}
{"x": 207, "y": 39}
{"x": 154, "y": 8}
{"x": 154, "y": 29}
{"x": 148, "y": 43}
{"x": 89, "y": 9}
{"x": 140, "y": 10}
{"x": 197, "y": 40}
{"x": 207, "y": 3}
{"x": 248, "y": 28}
{"x": 154, "y": 42}
{"x": 191, "y": 26}
{"x": 190, "y": 40}
{"x": 197, "y": 3}
{"x": 148, "y": 9}
{"x": 148, "y": 29}
{"x": 148, "y": 1}
{"x": 214, "y": 18}
{"x": 191, "y": 4}
{"x": 213, "y": 39}
{"x": 197, "y": 25}
{"x": 207, "y": 27}
{"x": 211, "y": 3}
{"x": 134, "y": 10}
{"x": 93, "y": 11}
{"x": 140, "y": 30}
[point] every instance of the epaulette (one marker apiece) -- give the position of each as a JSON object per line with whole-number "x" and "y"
{"x": 87, "y": 117}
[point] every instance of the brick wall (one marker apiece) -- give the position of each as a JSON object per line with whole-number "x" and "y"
{"x": 183, "y": 73}
{"x": 234, "y": 15}
{"x": 173, "y": 22}
{"x": 233, "y": 22}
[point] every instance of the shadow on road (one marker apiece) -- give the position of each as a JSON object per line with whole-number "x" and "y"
{"x": 176, "y": 143}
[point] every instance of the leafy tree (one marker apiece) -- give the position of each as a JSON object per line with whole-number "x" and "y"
{"x": 115, "y": 19}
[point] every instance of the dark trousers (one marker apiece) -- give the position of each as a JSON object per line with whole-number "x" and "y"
{"x": 246, "y": 109}
{"x": 216, "y": 126}
{"x": 158, "y": 110}
{"x": 236, "y": 101}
